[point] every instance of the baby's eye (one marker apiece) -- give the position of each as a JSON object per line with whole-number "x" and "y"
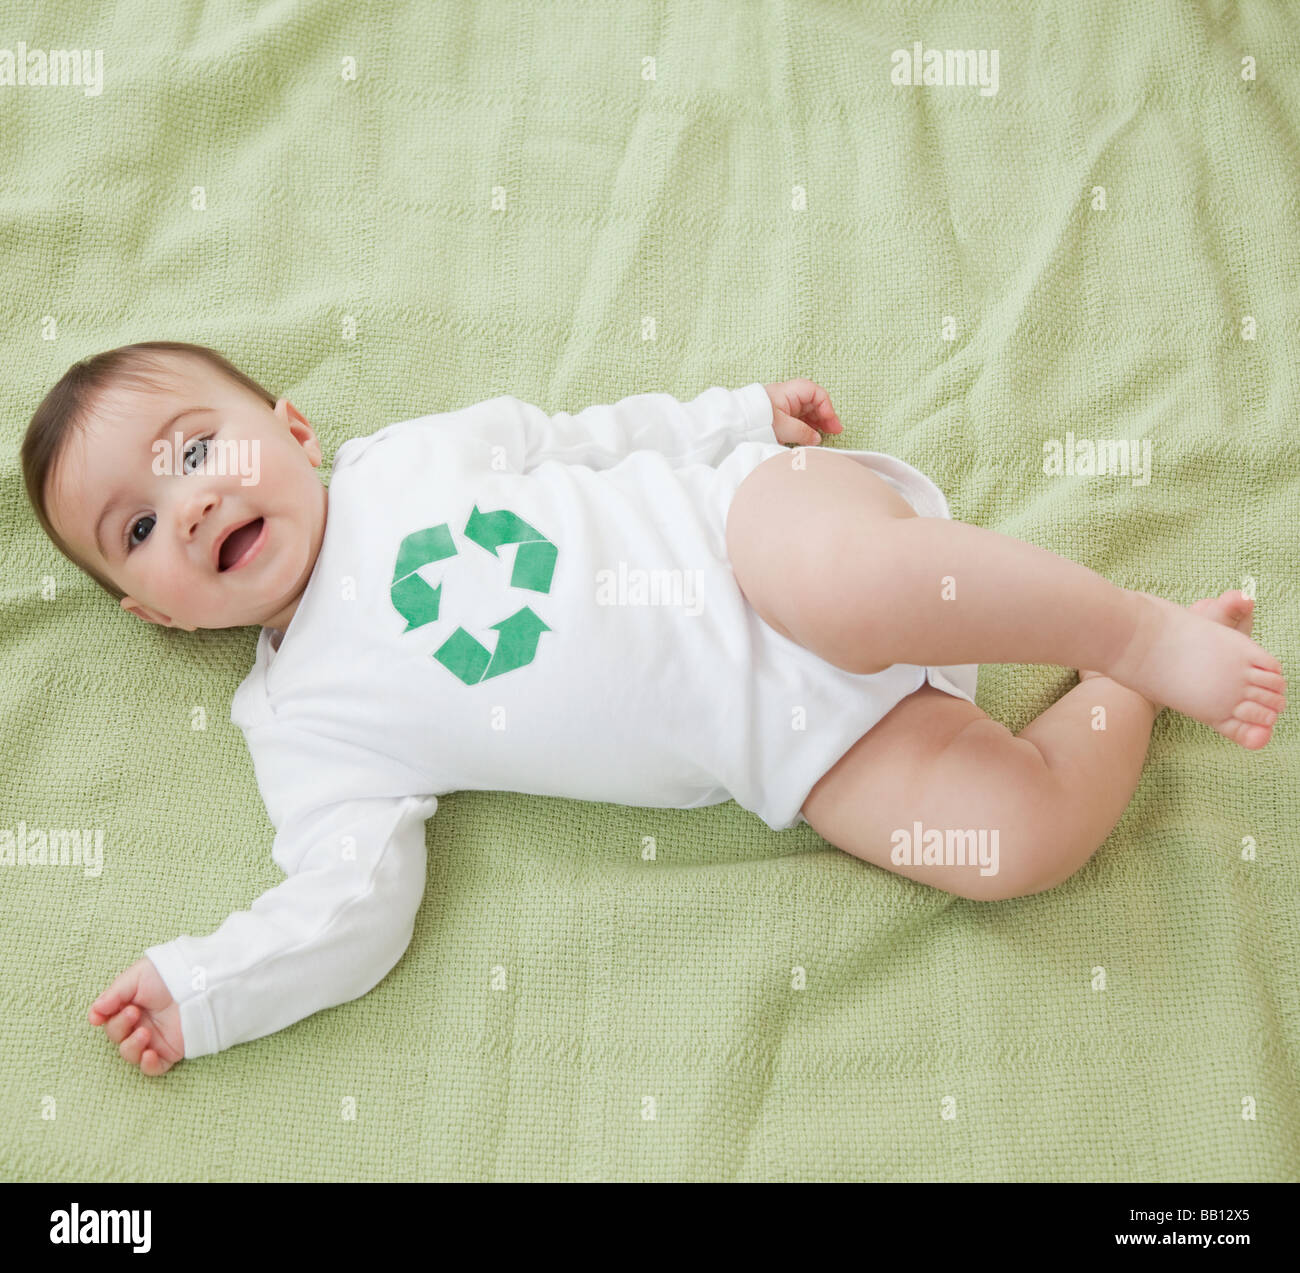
{"x": 203, "y": 442}
{"x": 131, "y": 540}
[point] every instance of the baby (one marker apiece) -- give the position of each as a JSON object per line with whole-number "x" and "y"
{"x": 651, "y": 603}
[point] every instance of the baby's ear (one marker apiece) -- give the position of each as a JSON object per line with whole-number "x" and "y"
{"x": 286, "y": 408}
{"x": 132, "y": 606}
{"x": 301, "y": 429}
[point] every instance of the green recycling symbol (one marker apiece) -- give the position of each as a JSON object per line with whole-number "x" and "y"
{"x": 517, "y": 635}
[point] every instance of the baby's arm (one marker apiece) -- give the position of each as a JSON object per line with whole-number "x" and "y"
{"x": 328, "y": 933}
{"x": 702, "y": 431}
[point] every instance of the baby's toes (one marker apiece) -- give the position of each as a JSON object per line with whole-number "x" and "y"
{"x": 1262, "y": 660}
{"x": 1257, "y": 736}
{"x": 1266, "y": 697}
{"x": 1255, "y": 713}
{"x": 1268, "y": 682}
{"x": 1250, "y": 725}
{"x": 1251, "y": 737}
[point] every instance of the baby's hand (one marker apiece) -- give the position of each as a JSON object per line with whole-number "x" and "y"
{"x": 139, "y": 1014}
{"x": 799, "y": 409}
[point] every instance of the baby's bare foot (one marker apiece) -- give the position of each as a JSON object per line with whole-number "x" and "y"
{"x": 1211, "y": 671}
{"x": 1233, "y": 609}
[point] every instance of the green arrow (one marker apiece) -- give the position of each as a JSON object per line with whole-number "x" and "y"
{"x": 415, "y": 601}
{"x": 468, "y": 658}
{"x": 534, "y": 562}
{"x": 421, "y": 547}
{"x": 463, "y": 656}
{"x": 491, "y": 530}
{"x": 517, "y": 642}
{"x": 535, "y": 559}
{"x": 412, "y": 598}
{"x": 534, "y": 565}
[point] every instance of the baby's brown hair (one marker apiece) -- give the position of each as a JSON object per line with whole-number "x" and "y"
{"x": 68, "y": 404}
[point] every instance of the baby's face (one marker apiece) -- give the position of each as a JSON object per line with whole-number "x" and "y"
{"x": 153, "y": 520}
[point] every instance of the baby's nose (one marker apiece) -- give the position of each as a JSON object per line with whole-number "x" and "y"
{"x": 195, "y": 511}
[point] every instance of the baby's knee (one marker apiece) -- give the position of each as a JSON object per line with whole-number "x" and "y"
{"x": 1031, "y": 842}
{"x": 1024, "y": 881}
{"x": 1035, "y": 856}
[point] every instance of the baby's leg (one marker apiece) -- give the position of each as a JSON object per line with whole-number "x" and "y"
{"x": 1043, "y": 801}
{"x": 825, "y": 560}
{"x": 938, "y": 771}
{"x": 1053, "y": 792}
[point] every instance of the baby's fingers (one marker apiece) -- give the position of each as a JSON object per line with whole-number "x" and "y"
{"x": 119, "y": 1026}
{"x": 116, "y": 997}
{"x": 152, "y": 1064}
{"x": 135, "y": 1043}
{"x": 790, "y": 429}
{"x": 812, "y": 404}
{"x": 105, "y": 1006}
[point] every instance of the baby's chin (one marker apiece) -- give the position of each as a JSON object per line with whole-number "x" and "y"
{"x": 255, "y": 615}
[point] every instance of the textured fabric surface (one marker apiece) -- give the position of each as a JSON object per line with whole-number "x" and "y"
{"x": 386, "y": 210}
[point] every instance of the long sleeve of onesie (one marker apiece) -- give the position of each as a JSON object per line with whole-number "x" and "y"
{"x": 330, "y": 932}
{"x": 701, "y": 431}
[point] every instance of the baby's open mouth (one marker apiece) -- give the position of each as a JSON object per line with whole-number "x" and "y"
{"x": 239, "y": 542}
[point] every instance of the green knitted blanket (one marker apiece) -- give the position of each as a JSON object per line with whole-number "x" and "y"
{"x": 1081, "y": 242}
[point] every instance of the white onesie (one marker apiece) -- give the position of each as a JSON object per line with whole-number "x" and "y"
{"x": 511, "y": 600}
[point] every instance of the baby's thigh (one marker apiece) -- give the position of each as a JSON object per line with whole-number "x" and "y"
{"x": 791, "y": 511}
{"x": 940, "y": 761}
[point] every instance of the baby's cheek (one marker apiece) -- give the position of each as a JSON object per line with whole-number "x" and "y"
{"x": 172, "y": 581}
